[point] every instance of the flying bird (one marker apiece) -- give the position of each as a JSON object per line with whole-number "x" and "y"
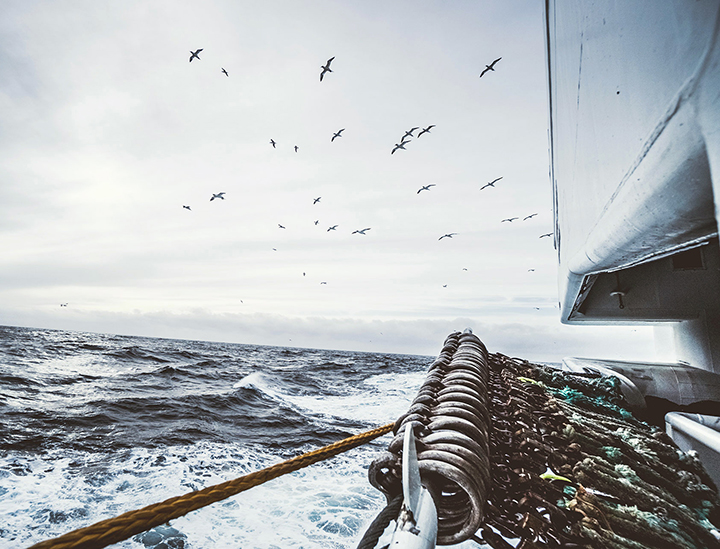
{"x": 464, "y": 269}
{"x": 400, "y": 145}
{"x": 531, "y": 270}
{"x": 491, "y": 184}
{"x": 186, "y": 207}
{"x": 194, "y": 55}
{"x": 510, "y": 219}
{"x": 544, "y": 235}
{"x": 280, "y": 226}
{"x": 444, "y": 285}
{"x": 315, "y": 201}
{"x": 323, "y": 283}
{"x": 326, "y": 68}
{"x": 272, "y": 143}
{"x": 409, "y": 133}
{"x": 317, "y": 221}
{"x": 296, "y": 148}
{"x": 332, "y": 228}
{"x": 218, "y": 195}
{"x": 490, "y": 67}
{"x": 426, "y": 187}
{"x": 224, "y": 72}
{"x": 361, "y": 231}
{"x": 529, "y": 217}
{"x": 426, "y": 130}
{"x": 63, "y": 304}
{"x": 449, "y": 235}
{"x": 337, "y": 134}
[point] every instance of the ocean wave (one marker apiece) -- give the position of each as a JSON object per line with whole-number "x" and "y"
{"x": 136, "y": 353}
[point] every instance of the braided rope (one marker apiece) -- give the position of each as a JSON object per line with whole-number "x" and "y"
{"x": 109, "y": 531}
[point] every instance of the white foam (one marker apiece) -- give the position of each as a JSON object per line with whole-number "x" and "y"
{"x": 325, "y": 505}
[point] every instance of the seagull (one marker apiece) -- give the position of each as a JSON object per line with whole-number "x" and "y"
{"x": 531, "y": 270}
{"x": 272, "y": 143}
{"x": 186, "y": 207}
{"x": 323, "y": 283}
{"x": 280, "y": 226}
{"x": 544, "y": 235}
{"x": 361, "y": 231}
{"x": 332, "y": 228}
{"x": 218, "y": 195}
{"x": 444, "y": 285}
{"x": 491, "y": 184}
{"x": 449, "y": 235}
{"x": 194, "y": 55}
{"x": 224, "y": 72}
{"x": 296, "y": 148}
{"x": 409, "y": 133}
{"x": 529, "y": 217}
{"x": 400, "y": 145}
{"x": 63, "y": 304}
{"x": 337, "y": 134}
{"x": 274, "y": 249}
{"x": 490, "y": 67}
{"x": 317, "y": 221}
{"x": 510, "y": 219}
{"x": 326, "y": 68}
{"x": 315, "y": 201}
{"x": 464, "y": 269}
{"x": 426, "y": 187}
{"x": 426, "y": 130}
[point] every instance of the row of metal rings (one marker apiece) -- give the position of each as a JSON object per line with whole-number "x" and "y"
{"x": 451, "y": 422}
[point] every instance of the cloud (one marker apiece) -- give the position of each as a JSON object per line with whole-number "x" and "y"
{"x": 529, "y": 340}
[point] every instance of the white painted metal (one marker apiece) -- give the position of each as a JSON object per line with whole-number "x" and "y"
{"x": 417, "y": 523}
{"x": 634, "y": 98}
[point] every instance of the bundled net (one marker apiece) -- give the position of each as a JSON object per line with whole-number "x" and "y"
{"x": 568, "y": 465}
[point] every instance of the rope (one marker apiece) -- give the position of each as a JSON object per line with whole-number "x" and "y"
{"x": 109, "y": 531}
{"x": 377, "y": 526}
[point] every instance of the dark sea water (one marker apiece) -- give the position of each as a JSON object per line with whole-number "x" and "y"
{"x": 93, "y": 425}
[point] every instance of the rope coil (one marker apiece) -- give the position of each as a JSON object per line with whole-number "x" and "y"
{"x": 451, "y": 423}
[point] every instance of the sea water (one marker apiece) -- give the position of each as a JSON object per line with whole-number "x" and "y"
{"x": 93, "y": 425}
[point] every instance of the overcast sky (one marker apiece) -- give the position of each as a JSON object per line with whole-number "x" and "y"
{"x": 107, "y": 130}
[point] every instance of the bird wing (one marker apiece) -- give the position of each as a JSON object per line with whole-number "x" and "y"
{"x": 493, "y": 63}
{"x": 483, "y": 72}
{"x": 329, "y": 61}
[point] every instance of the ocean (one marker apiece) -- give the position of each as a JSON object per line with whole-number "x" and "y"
{"x": 94, "y": 425}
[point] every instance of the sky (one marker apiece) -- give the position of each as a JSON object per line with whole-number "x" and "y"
{"x": 107, "y": 131}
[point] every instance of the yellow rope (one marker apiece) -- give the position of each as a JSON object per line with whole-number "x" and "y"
{"x": 106, "y": 532}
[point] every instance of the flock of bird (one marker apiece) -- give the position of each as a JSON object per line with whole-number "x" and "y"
{"x": 403, "y": 141}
